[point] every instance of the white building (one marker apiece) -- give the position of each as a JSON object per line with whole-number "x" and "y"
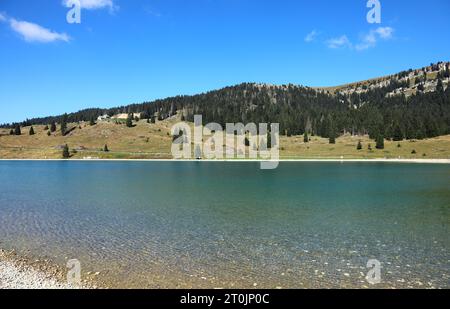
{"x": 104, "y": 117}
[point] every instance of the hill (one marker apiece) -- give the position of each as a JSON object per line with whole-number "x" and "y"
{"x": 413, "y": 105}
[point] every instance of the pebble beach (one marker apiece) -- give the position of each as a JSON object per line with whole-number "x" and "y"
{"x": 21, "y": 273}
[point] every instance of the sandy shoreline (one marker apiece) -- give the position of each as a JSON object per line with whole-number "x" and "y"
{"x": 19, "y": 272}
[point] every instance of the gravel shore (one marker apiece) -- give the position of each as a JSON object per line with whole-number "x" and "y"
{"x": 20, "y": 273}
{"x": 13, "y": 277}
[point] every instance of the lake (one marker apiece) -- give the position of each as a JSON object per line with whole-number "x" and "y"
{"x": 206, "y": 224}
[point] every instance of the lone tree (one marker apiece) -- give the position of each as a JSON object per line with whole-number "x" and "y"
{"x": 380, "y": 142}
{"x": 11, "y": 132}
{"x": 66, "y": 154}
{"x": 31, "y": 131}
{"x": 105, "y": 149}
{"x": 64, "y": 125}
{"x": 17, "y": 130}
{"x": 130, "y": 120}
{"x": 53, "y": 127}
{"x": 359, "y": 147}
{"x": 306, "y": 138}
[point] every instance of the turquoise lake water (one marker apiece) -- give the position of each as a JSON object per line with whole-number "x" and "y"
{"x": 204, "y": 224}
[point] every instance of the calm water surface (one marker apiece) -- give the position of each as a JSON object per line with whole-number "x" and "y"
{"x": 199, "y": 224}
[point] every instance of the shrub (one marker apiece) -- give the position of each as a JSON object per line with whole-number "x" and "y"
{"x": 359, "y": 147}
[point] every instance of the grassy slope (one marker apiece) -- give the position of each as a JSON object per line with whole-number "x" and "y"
{"x": 151, "y": 141}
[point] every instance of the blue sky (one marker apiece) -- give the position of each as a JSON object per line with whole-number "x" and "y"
{"x": 128, "y": 51}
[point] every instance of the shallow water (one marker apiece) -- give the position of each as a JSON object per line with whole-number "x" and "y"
{"x": 205, "y": 224}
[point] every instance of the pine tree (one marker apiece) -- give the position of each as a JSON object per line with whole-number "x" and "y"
{"x": 53, "y": 127}
{"x": 359, "y": 147}
{"x": 105, "y": 149}
{"x": 306, "y": 138}
{"x": 66, "y": 153}
{"x": 64, "y": 125}
{"x": 31, "y": 131}
{"x": 397, "y": 134}
{"x": 130, "y": 120}
{"x": 11, "y": 132}
{"x": 380, "y": 142}
{"x": 332, "y": 140}
{"x": 17, "y": 130}
{"x": 332, "y": 134}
